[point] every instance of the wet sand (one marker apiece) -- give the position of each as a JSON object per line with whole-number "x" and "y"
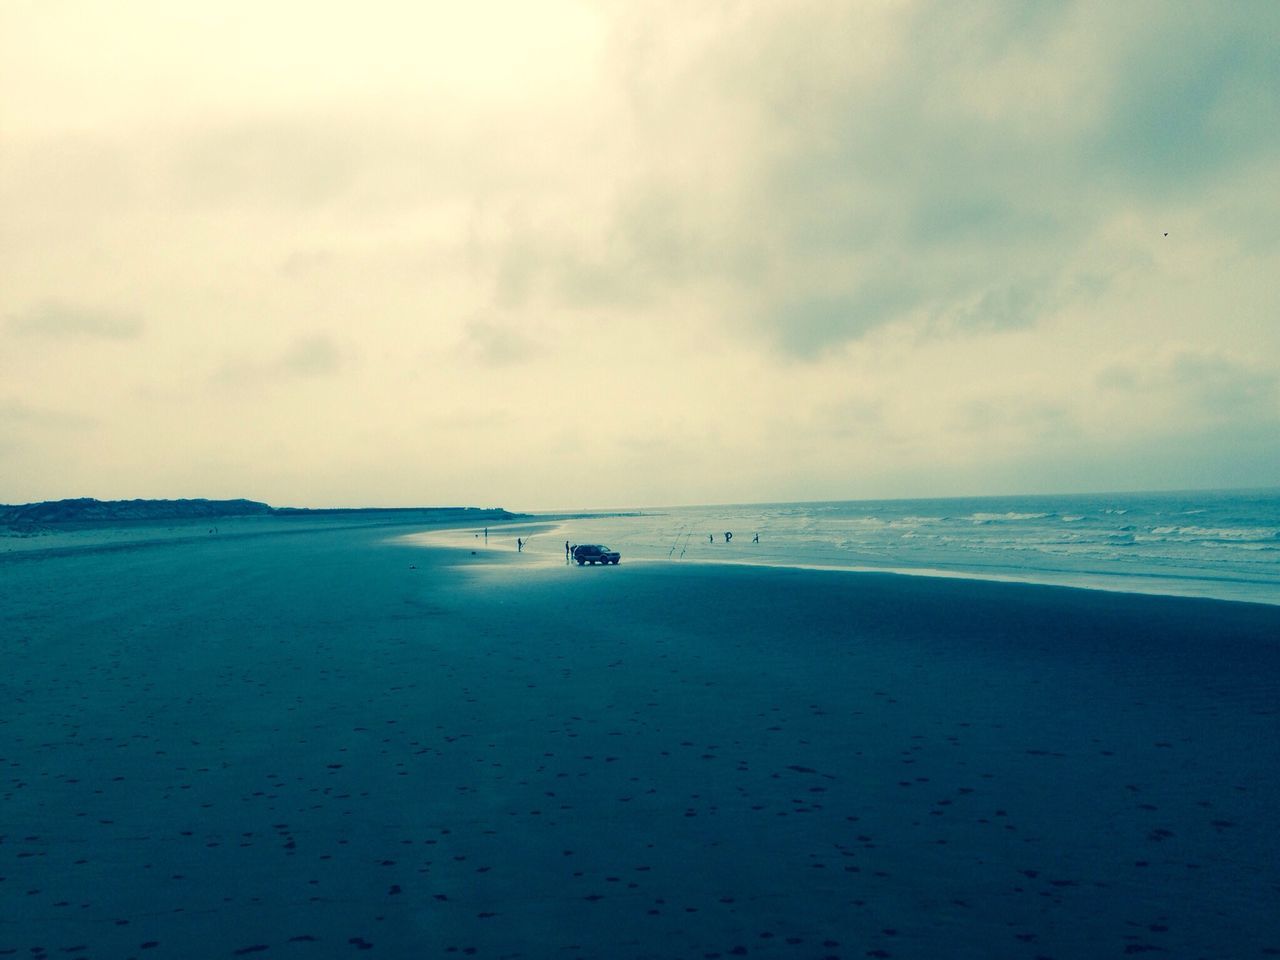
{"x": 322, "y": 744}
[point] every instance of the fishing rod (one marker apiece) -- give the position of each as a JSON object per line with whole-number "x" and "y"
{"x": 675, "y": 543}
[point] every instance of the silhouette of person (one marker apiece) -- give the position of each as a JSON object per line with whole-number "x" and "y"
{"x": 727, "y": 536}
{"x": 519, "y": 545}
{"x": 756, "y": 538}
{"x": 711, "y": 538}
{"x": 567, "y": 552}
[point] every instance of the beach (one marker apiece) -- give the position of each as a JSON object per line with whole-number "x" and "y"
{"x": 328, "y": 741}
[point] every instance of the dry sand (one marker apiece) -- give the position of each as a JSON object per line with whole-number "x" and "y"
{"x": 317, "y": 745}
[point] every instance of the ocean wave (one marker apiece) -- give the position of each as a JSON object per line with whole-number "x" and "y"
{"x": 1219, "y": 534}
{"x": 1010, "y": 516}
{"x": 1137, "y": 537}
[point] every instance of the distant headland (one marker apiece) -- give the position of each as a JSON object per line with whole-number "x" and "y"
{"x": 32, "y": 517}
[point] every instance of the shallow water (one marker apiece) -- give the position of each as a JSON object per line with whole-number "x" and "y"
{"x": 1223, "y": 544}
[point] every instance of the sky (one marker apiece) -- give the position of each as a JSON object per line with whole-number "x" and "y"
{"x": 573, "y": 255}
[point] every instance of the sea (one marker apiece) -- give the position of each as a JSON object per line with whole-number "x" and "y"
{"x": 1223, "y": 544}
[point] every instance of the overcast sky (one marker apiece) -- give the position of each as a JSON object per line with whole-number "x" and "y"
{"x": 557, "y": 254}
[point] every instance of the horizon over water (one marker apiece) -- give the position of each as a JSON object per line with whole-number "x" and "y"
{"x": 1222, "y": 544}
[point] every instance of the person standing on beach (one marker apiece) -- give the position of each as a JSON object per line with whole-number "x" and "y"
{"x": 711, "y": 538}
{"x": 519, "y": 545}
{"x": 567, "y": 552}
{"x": 727, "y": 536}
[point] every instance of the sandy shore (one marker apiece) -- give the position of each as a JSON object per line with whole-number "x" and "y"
{"x": 314, "y": 745}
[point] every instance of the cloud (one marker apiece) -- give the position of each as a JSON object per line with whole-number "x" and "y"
{"x": 31, "y": 434}
{"x": 308, "y": 357}
{"x": 820, "y": 247}
{"x": 825, "y": 170}
{"x": 282, "y": 163}
{"x": 58, "y": 320}
{"x": 1188, "y": 95}
{"x": 497, "y": 344}
{"x": 1013, "y": 420}
{"x": 1195, "y": 387}
{"x": 807, "y": 324}
{"x": 315, "y": 356}
{"x": 14, "y": 414}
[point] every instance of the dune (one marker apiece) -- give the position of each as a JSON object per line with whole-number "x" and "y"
{"x": 331, "y": 742}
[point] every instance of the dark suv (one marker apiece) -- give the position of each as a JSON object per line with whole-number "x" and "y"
{"x": 594, "y": 553}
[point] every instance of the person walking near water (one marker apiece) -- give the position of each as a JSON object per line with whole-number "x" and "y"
{"x": 727, "y": 536}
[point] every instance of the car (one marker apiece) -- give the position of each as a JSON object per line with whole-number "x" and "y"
{"x": 594, "y": 553}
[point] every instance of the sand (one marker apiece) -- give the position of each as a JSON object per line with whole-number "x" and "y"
{"x": 321, "y": 744}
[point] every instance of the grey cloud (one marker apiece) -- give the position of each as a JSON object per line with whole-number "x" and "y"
{"x": 282, "y": 163}
{"x": 520, "y": 265}
{"x": 1225, "y": 388}
{"x": 309, "y": 357}
{"x": 1019, "y": 302}
{"x": 1118, "y": 376}
{"x": 1006, "y": 305}
{"x": 1190, "y": 98}
{"x": 957, "y": 182}
{"x": 656, "y": 242}
{"x": 861, "y": 418}
{"x": 16, "y": 415}
{"x": 76, "y": 176}
{"x": 808, "y": 324}
{"x": 1013, "y": 414}
{"x": 492, "y": 342}
{"x": 55, "y": 319}
{"x": 960, "y": 178}
{"x": 1214, "y": 386}
{"x": 659, "y": 240}
{"x": 850, "y": 202}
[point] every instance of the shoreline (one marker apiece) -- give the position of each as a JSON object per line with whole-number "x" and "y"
{"x": 1129, "y": 584}
{"x": 1217, "y": 545}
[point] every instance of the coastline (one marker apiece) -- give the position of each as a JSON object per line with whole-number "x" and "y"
{"x": 588, "y": 528}
{"x": 301, "y": 744}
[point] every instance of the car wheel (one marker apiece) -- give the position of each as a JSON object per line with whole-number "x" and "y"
{"x": 581, "y": 562}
